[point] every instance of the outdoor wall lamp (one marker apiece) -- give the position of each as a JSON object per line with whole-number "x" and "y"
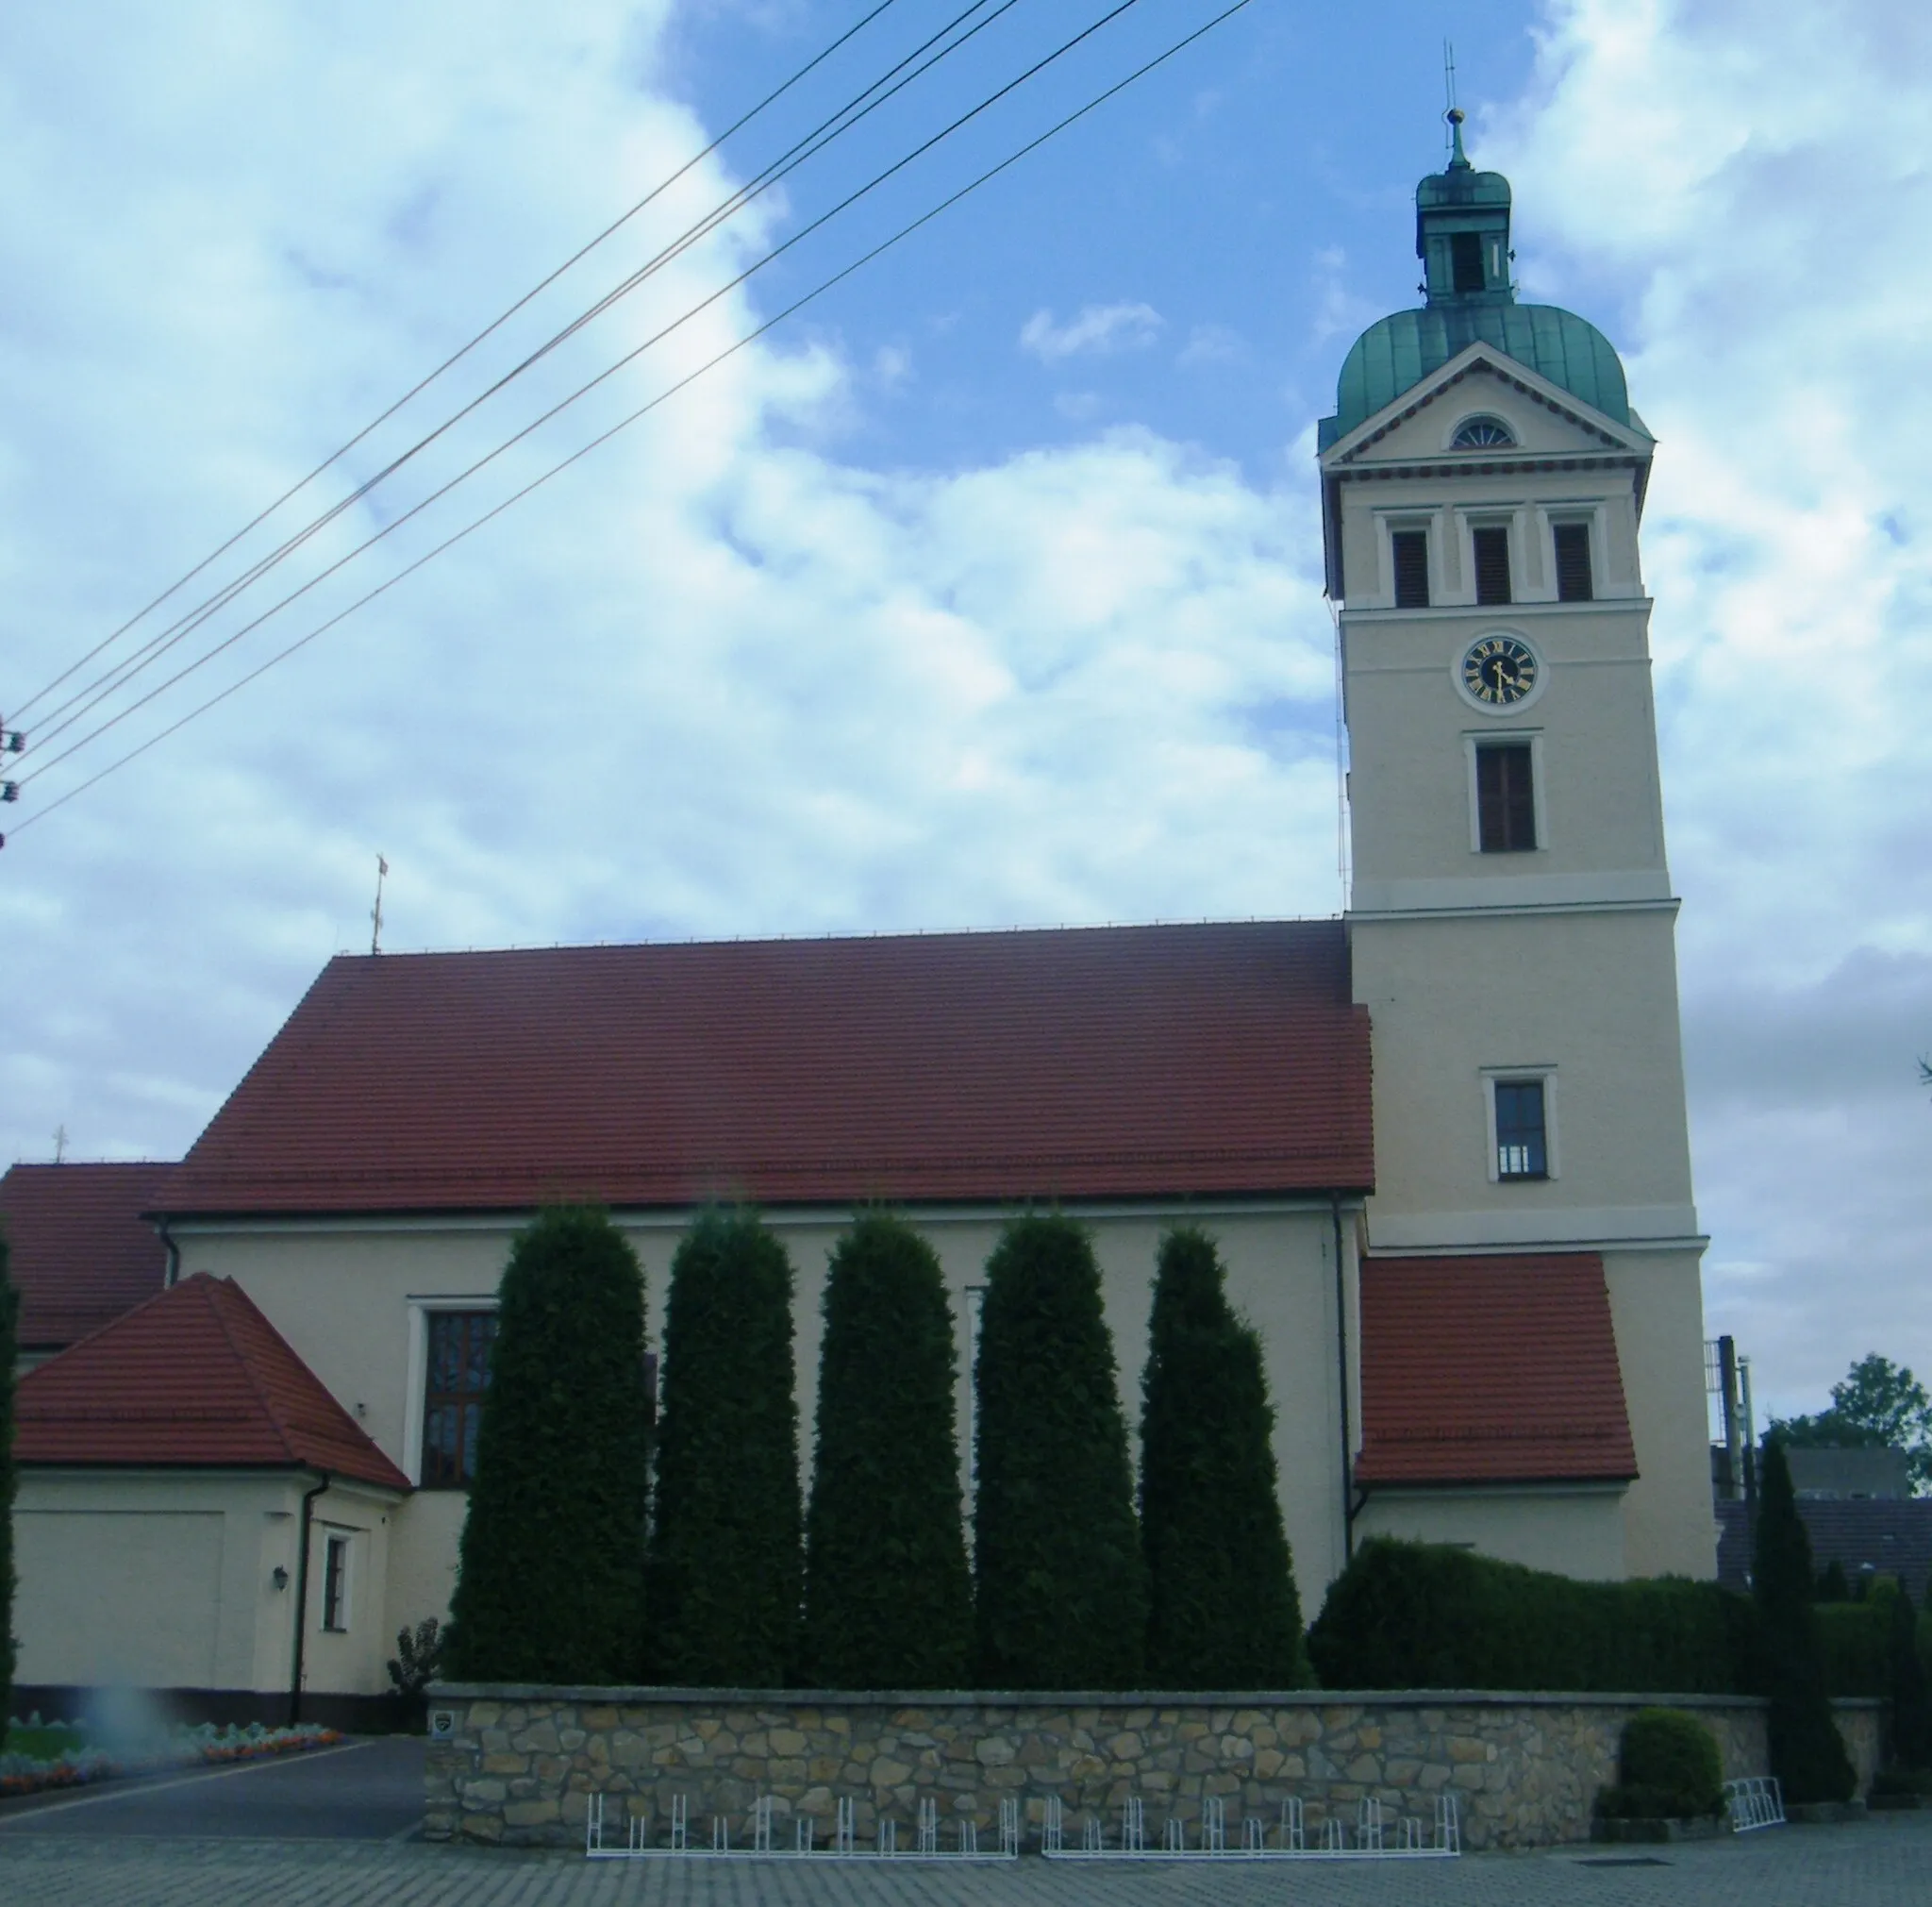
{"x": 280, "y": 1576}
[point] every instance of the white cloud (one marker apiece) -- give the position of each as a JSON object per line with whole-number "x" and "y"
{"x": 1099, "y": 328}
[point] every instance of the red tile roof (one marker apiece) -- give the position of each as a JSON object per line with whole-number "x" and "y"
{"x": 194, "y": 1377}
{"x": 1490, "y": 1370}
{"x": 1079, "y": 1064}
{"x": 81, "y": 1252}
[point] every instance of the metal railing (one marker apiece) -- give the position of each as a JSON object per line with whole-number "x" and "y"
{"x": 1757, "y": 1801}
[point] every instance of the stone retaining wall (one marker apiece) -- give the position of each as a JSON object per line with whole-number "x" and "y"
{"x": 516, "y": 1764}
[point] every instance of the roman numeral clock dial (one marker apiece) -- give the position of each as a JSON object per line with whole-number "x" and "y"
{"x": 1499, "y": 672}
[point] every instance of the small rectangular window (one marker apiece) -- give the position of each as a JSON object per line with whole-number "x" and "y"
{"x": 1504, "y": 797}
{"x": 1491, "y": 564}
{"x": 1521, "y": 1149}
{"x": 1573, "y": 582}
{"x": 1466, "y": 261}
{"x": 458, "y": 1376}
{"x": 1410, "y": 549}
{"x": 335, "y": 1584}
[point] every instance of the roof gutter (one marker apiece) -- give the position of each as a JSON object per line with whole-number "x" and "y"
{"x": 302, "y": 1600}
{"x": 174, "y": 1251}
{"x": 1350, "y": 1506}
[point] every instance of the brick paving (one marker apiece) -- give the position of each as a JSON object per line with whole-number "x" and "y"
{"x": 1883, "y": 1863}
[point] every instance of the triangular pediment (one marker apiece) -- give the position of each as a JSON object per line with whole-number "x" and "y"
{"x": 1481, "y": 381}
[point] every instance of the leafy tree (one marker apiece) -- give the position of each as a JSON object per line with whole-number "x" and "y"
{"x": 10, "y": 1318}
{"x": 725, "y": 1564}
{"x": 1223, "y": 1612}
{"x": 1877, "y": 1404}
{"x": 1911, "y": 1701}
{"x": 1061, "y": 1587}
{"x": 551, "y": 1581}
{"x": 888, "y": 1598}
{"x": 1806, "y": 1753}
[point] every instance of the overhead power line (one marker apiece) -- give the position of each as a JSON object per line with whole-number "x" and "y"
{"x": 494, "y": 326}
{"x": 90, "y": 694}
{"x": 644, "y": 411}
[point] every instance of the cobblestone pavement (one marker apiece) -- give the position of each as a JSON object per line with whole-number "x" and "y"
{"x": 1883, "y": 1862}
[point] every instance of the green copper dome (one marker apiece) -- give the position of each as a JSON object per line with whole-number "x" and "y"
{"x": 1462, "y": 238}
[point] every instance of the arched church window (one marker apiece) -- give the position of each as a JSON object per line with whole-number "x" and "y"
{"x": 1482, "y": 433}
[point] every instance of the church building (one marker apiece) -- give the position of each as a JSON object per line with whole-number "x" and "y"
{"x": 1441, "y": 1141}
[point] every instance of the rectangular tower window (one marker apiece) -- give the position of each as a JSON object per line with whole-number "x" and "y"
{"x": 1574, "y": 584}
{"x": 1410, "y": 550}
{"x": 1491, "y": 563}
{"x": 1466, "y": 261}
{"x": 1521, "y": 1146}
{"x": 1504, "y": 797}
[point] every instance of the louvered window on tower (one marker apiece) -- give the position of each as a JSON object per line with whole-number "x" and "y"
{"x": 1410, "y": 551}
{"x": 1573, "y": 581}
{"x": 1491, "y": 564}
{"x": 1466, "y": 261}
{"x": 1504, "y": 797}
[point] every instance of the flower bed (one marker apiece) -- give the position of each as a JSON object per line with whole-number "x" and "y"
{"x": 186, "y": 1748}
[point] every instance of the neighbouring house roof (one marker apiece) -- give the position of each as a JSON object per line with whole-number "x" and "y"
{"x": 195, "y": 1377}
{"x": 1490, "y": 1370}
{"x": 1075, "y": 1064}
{"x": 80, "y": 1251}
{"x": 1894, "y": 1537}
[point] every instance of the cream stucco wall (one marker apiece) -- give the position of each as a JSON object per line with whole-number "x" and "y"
{"x": 166, "y": 1578}
{"x": 350, "y": 1297}
{"x": 1572, "y": 1531}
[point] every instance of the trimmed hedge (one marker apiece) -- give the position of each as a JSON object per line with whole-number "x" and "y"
{"x": 1668, "y": 1768}
{"x": 10, "y": 1318}
{"x": 725, "y": 1562}
{"x": 1061, "y": 1589}
{"x": 888, "y": 1595}
{"x": 1906, "y": 1684}
{"x": 551, "y": 1580}
{"x": 1808, "y": 1754}
{"x": 1425, "y": 1615}
{"x": 1223, "y": 1612}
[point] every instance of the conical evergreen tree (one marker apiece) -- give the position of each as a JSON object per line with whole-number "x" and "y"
{"x": 551, "y": 1581}
{"x": 9, "y": 1319}
{"x": 1808, "y": 1754}
{"x": 1223, "y": 1612}
{"x": 1911, "y": 1702}
{"x": 1061, "y": 1588}
{"x": 888, "y": 1598}
{"x": 725, "y": 1567}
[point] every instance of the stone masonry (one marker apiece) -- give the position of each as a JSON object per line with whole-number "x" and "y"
{"x": 517, "y": 1764}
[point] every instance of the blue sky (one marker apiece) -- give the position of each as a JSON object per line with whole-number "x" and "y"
{"x": 986, "y": 591}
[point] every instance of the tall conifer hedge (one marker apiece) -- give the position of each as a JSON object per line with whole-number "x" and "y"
{"x": 1061, "y": 1586}
{"x": 9, "y": 1319}
{"x": 725, "y": 1564}
{"x": 551, "y": 1573}
{"x": 888, "y": 1599}
{"x": 1223, "y": 1612}
{"x": 1808, "y": 1755}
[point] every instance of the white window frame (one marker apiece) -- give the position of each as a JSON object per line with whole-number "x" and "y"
{"x": 419, "y": 1310}
{"x": 343, "y": 1543}
{"x": 1429, "y": 521}
{"x": 1546, "y": 1073}
{"x": 1488, "y": 410}
{"x": 1472, "y": 739}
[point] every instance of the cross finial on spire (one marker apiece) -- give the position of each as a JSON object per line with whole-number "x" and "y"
{"x": 1458, "y": 160}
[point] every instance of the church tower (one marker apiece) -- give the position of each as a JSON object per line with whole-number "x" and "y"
{"x": 1511, "y": 928}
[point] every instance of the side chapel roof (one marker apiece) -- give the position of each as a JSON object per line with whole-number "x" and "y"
{"x": 1071, "y": 1064}
{"x": 1490, "y": 1370}
{"x": 194, "y": 1377}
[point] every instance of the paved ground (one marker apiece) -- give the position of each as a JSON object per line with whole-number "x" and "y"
{"x": 1883, "y": 1863}
{"x": 366, "y": 1791}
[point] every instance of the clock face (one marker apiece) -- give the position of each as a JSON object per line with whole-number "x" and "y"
{"x": 1499, "y": 671}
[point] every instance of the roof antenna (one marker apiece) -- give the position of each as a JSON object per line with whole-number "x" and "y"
{"x": 376, "y": 911}
{"x": 60, "y": 1144}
